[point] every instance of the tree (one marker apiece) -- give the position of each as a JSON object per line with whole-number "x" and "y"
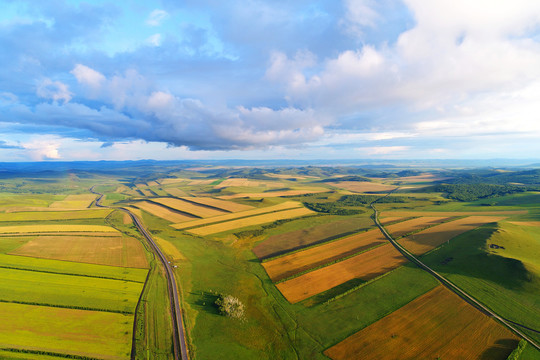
{"x": 230, "y": 306}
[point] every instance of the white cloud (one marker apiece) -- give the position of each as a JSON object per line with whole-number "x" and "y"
{"x": 156, "y": 17}
{"x": 54, "y": 90}
{"x": 43, "y": 148}
{"x": 154, "y": 40}
{"x": 359, "y": 14}
{"x": 88, "y": 76}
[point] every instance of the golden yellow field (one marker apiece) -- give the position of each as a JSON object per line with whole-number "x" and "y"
{"x": 268, "y": 209}
{"x": 247, "y": 183}
{"x": 152, "y": 183}
{"x": 254, "y": 220}
{"x": 171, "y": 181}
{"x": 295, "y": 263}
{"x": 189, "y": 208}
{"x": 429, "y": 239}
{"x": 389, "y": 213}
{"x": 162, "y": 212}
{"x": 111, "y": 250}
{"x": 55, "y": 228}
{"x": 405, "y": 227}
{"x": 74, "y": 202}
{"x": 221, "y": 204}
{"x": 201, "y": 182}
{"x": 365, "y": 266}
{"x": 363, "y": 186}
{"x": 175, "y": 192}
{"x": 270, "y": 194}
{"x": 390, "y": 219}
{"x": 55, "y": 215}
{"x": 169, "y": 249}
{"x": 146, "y": 192}
{"x": 437, "y": 325}
{"x": 525, "y": 223}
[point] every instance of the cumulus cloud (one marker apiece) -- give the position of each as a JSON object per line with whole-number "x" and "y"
{"x": 43, "y": 148}
{"x": 87, "y": 76}
{"x": 156, "y": 17}
{"x": 54, "y": 90}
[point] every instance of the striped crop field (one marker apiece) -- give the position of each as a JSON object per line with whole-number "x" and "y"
{"x": 22, "y": 229}
{"x": 429, "y": 239}
{"x": 450, "y": 213}
{"x": 408, "y": 226}
{"x": 239, "y": 182}
{"x": 175, "y": 192}
{"x": 201, "y": 182}
{"x": 168, "y": 181}
{"x": 146, "y": 192}
{"x": 270, "y": 194}
{"x": 55, "y": 215}
{"x": 71, "y": 332}
{"x": 190, "y": 208}
{"x": 254, "y": 220}
{"x": 391, "y": 219}
{"x": 289, "y": 265}
{"x": 220, "y": 204}
{"x": 297, "y": 239}
{"x": 162, "y": 212}
{"x": 365, "y": 266}
{"x": 111, "y": 250}
{"x": 152, "y": 183}
{"x": 200, "y": 222}
{"x": 363, "y": 186}
{"x": 437, "y": 325}
{"x": 74, "y": 202}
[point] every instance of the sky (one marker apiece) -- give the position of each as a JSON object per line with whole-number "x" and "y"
{"x": 254, "y": 79}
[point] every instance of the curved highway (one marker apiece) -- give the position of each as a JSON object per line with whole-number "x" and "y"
{"x": 179, "y": 338}
{"x": 451, "y": 286}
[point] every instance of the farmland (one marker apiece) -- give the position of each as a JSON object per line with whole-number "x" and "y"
{"x": 294, "y": 245}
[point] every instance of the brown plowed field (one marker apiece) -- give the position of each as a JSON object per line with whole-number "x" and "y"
{"x": 429, "y": 239}
{"x": 390, "y": 219}
{"x": 163, "y": 212}
{"x": 110, "y": 250}
{"x": 365, "y": 266}
{"x": 363, "y": 186}
{"x": 281, "y": 243}
{"x": 295, "y": 263}
{"x": 190, "y": 208}
{"x": 438, "y": 324}
{"x": 405, "y": 227}
{"x": 220, "y": 204}
{"x": 253, "y": 220}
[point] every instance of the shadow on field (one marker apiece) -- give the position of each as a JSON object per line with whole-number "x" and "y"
{"x": 206, "y": 301}
{"x": 500, "y": 350}
{"x": 466, "y": 255}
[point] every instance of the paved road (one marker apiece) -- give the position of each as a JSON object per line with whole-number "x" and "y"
{"x": 451, "y": 286}
{"x": 179, "y": 339}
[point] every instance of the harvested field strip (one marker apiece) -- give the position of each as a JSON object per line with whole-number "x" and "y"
{"x": 239, "y": 182}
{"x": 73, "y": 268}
{"x": 55, "y": 215}
{"x": 365, "y": 266}
{"x": 220, "y": 204}
{"x": 175, "y": 192}
{"x": 363, "y": 186}
{"x": 409, "y": 226}
{"x": 450, "y": 213}
{"x": 114, "y": 251}
{"x": 74, "y": 202}
{"x": 429, "y": 239}
{"x": 67, "y": 233}
{"x": 163, "y": 212}
{"x": 295, "y": 240}
{"x": 201, "y": 182}
{"x": 171, "y": 181}
{"x": 269, "y": 194}
{"x": 438, "y": 324}
{"x": 289, "y": 265}
{"x": 68, "y": 290}
{"x": 254, "y": 220}
{"x": 152, "y": 183}
{"x": 147, "y": 192}
{"x": 526, "y": 223}
{"x": 169, "y": 249}
{"x": 93, "y": 334}
{"x": 45, "y": 228}
{"x": 238, "y": 215}
{"x": 393, "y": 219}
{"x": 190, "y": 208}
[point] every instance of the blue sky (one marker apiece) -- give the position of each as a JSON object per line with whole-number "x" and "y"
{"x": 90, "y": 80}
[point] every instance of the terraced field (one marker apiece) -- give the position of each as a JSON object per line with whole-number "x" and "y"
{"x": 436, "y": 325}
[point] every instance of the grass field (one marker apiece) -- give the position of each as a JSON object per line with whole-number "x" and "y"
{"x": 74, "y": 202}
{"x": 54, "y": 215}
{"x": 163, "y": 212}
{"x": 292, "y": 240}
{"x": 436, "y": 325}
{"x": 190, "y": 208}
{"x": 169, "y": 249}
{"x": 363, "y": 186}
{"x": 250, "y": 221}
{"x": 36, "y": 287}
{"x": 429, "y": 239}
{"x": 408, "y": 226}
{"x": 47, "y": 228}
{"x": 93, "y": 334}
{"x": 365, "y": 266}
{"x": 220, "y": 204}
{"x": 269, "y": 209}
{"x": 110, "y": 250}
{"x": 289, "y": 265}
{"x": 239, "y": 182}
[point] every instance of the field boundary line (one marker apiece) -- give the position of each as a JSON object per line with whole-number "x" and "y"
{"x": 74, "y": 307}
{"x": 49, "y": 353}
{"x": 71, "y": 274}
{"x": 447, "y": 283}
